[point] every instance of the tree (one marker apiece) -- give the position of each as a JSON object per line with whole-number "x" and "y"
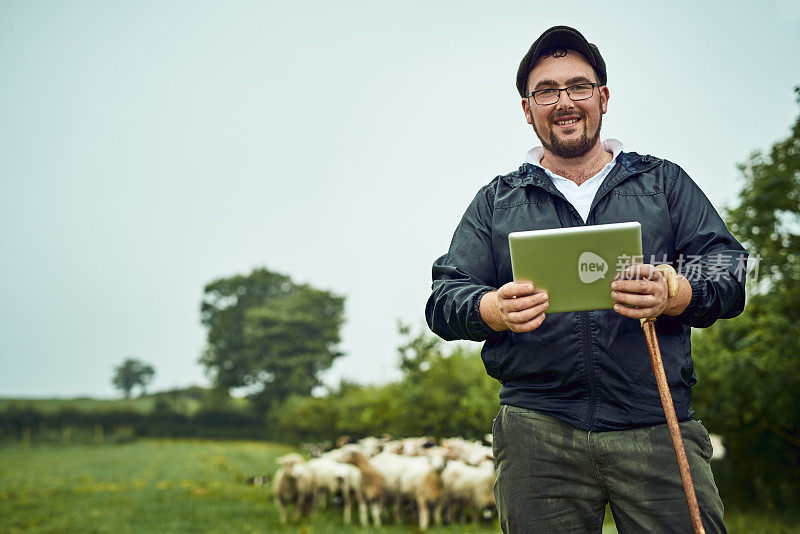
{"x": 748, "y": 367}
{"x": 269, "y": 335}
{"x": 131, "y": 373}
{"x": 443, "y": 393}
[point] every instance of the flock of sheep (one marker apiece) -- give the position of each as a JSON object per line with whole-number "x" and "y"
{"x": 410, "y": 478}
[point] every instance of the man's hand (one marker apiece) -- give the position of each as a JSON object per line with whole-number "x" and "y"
{"x": 641, "y": 292}
{"x": 515, "y": 306}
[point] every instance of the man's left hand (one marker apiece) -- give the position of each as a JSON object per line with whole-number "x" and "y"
{"x": 641, "y": 292}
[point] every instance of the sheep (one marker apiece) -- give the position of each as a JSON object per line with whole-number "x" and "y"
{"x": 373, "y": 483}
{"x": 341, "y": 441}
{"x": 372, "y": 445}
{"x": 259, "y": 480}
{"x": 422, "y": 483}
{"x": 470, "y": 452}
{"x": 334, "y": 454}
{"x": 394, "y": 446}
{"x": 478, "y": 454}
{"x": 391, "y": 466}
{"x": 417, "y": 446}
{"x": 469, "y": 487}
{"x": 416, "y": 478}
{"x": 315, "y": 450}
{"x": 408, "y": 446}
{"x": 294, "y": 484}
{"x": 719, "y": 449}
{"x": 332, "y": 476}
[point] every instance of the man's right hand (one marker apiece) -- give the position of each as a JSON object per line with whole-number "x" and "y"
{"x": 516, "y": 306}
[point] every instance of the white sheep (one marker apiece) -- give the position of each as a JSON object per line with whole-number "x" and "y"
{"x": 478, "y": 454}
{"x": 371, "y": 446}
{"x": 719, "y": 449}
{"x": 469, "y": 488}
{"x": 332, "y": 477}
{"x": 417, "y": 446}
{"x": 373, "y": 483}
{"x": 416, "y": 478}
{"x": 469, "y": 451}
{"x": 294, "y": 484}
{"x": 422, "y": 486}
{"x": 391, "y": 466}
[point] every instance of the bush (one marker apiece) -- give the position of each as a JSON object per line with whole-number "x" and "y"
{"x": 441, "y": 394}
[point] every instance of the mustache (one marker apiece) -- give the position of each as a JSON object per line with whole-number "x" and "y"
{"x": 558, "y": 116}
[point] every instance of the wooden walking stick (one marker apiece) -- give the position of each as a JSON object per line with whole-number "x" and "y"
{"x": 649, "y": 328}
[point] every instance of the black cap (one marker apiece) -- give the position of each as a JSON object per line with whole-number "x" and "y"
{"x": 560, "y": 37}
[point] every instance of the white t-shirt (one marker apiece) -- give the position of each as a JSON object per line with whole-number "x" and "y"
{"x": 580, "y": 196}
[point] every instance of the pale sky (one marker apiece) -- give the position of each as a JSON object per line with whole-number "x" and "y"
{"x": 147, "y": 148}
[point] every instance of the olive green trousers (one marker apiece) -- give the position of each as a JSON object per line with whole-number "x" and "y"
{"x": 552, "y": 477}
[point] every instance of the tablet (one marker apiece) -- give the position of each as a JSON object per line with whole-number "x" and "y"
{"x": 575, "y": 265}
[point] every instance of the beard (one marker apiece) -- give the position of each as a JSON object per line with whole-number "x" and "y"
{"x": 574, "y": 148}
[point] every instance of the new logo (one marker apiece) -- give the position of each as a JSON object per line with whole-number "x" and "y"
{"x": 591, "y": 267}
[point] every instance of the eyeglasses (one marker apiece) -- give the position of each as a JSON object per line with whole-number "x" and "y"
{"x": 579, "y": 91}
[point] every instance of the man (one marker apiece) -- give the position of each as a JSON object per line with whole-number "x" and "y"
{"x": 581, "y": 424}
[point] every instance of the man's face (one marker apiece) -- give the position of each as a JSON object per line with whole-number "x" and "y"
{"x": 567, "y": 129}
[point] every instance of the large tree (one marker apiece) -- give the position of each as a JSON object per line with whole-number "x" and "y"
{"x": 748, "y": 368}
{"x": 269, "y": 335}
{"x": 131, "y": 373}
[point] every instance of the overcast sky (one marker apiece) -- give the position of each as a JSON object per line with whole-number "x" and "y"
{"x": 147, "y": 148}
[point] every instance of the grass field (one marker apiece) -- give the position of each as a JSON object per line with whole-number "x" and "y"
{"x": 160, "y": 486}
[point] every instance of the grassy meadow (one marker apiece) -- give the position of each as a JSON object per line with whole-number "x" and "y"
{"x": 149, "y": 486}
{"x": 192, "y": 486}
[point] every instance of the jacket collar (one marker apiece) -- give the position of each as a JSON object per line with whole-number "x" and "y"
{"x": 631, "y": 162}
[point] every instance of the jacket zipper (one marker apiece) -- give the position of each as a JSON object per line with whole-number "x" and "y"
{"x": 587, "y": 340}
{"x": 590, "y": 372}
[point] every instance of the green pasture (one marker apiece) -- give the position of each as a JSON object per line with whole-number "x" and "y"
{"x": 149, "y": 486}
{"x": 178, "y": 486}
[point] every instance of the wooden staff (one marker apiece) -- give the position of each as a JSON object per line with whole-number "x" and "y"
{"x": 649, "y": 328}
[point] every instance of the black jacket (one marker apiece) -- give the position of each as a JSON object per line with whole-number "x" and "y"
{"x": 590, "y": 369}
